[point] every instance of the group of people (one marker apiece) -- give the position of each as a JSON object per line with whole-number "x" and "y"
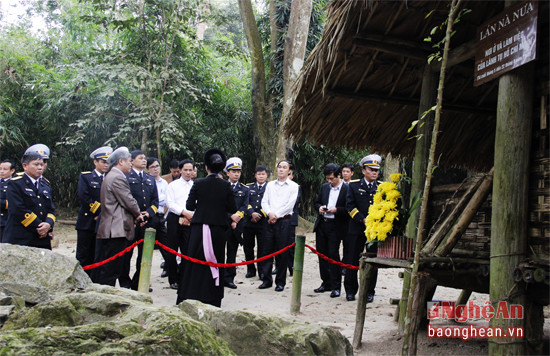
{"x": 206, "y": 218}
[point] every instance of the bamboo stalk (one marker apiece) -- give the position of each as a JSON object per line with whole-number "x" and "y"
{"x": 455, "y": 5}
{"x": 365, "y": 270}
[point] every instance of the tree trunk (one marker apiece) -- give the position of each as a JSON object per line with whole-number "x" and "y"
{"x": 262, "y": 118}
{"x": 294, "y": 53}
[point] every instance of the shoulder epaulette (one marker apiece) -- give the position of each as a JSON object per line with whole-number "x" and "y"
{"x": 17, "y": 178}
{"x": 354, "y": 180}
{"x": 250, "y": 183}
{"x": 87, "y": 172}
{"x": 47, "y": 182}
{"x": 19, "y": 174}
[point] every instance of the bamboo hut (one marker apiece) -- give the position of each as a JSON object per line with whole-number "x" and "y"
{"x": 369, "y": 79}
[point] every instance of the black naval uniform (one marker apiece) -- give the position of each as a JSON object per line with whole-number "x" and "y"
{"x": 234, "y": 237}
{"x": 89, "y": 187}
{"x": 3, "y": 205}
{"x": 28, "y": 207}
{"x": 254, "y": 230}
{"x": 358, "y": 201}
{"x": 144, "y": 190}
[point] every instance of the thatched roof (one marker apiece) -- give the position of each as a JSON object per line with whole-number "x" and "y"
{"x": 360, "y": 87}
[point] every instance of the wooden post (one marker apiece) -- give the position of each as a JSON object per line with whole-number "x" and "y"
{"x": 424, "y": 286}
{"x": 463, "y": 299}
{"x": 365, "y": 271}
{"x": 509, "y": 217}
{"x": 427, "y": 100}
{"x": 295, "y": 301}
{"x": 146, "y": 261}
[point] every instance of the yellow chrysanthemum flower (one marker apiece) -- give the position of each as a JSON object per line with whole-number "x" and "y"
{"x": 396, "y": 177}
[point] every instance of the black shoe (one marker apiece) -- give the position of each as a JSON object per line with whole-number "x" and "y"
{"x": 250, "y": 274}
{"x": 321, "y": 289}
{"x": 150, "y": 289}
{"x": 164, "y": 274}
{"x": 343, "y": 271}
{"x": 265, "y": 285}
{"x": 335, "y": 293}
{"x": 350, "y": 297}
{"x": 274, "y": 271}
{"x": 162, "y": 264}
{"x": 230, "y": 285}
{"x": 174, "y": 286}
{"x": 290, "y": 271}
{"x": 279, "y": 288}
{"x": 370, "y": 298}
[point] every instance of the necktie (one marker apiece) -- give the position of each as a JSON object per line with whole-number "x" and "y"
{"x": 37, "y": 185}
{"x": 101, "y": 178}
{"x": 369, "y": 185}
{"x": 260, "y": 186}
{"x": 233, "y": 186}
{"x": 141, "y": 175}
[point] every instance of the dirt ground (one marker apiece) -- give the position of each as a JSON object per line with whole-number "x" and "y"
{"x": 380, "y": 335}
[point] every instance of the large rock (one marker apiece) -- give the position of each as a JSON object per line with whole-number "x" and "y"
{"x": 251, "y": 333}
{"x": 35, "y": 275}
{"x": 100, "y": 323}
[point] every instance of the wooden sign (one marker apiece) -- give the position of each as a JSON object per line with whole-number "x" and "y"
{"x": 507, "y": 41}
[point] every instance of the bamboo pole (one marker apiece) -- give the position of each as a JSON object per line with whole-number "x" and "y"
{"x": 295, "y": 301}
{"x": 146, "y": 261}
{"x": 458, "y": 228}
{"x": 365, "y": 272}
{"x": 455, "y": 5}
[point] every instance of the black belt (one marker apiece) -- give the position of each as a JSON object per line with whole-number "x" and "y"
{"x": 286, "y": 217}
{"x": 328, "y": 220}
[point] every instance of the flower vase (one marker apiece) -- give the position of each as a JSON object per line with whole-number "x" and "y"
{"x": 396, "y": 247}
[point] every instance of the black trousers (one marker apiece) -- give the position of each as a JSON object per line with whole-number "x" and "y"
{"x": 1, "y": 232}
{"x": 252, "y": 232}
{"x": 234, "y": 238}
{"x": 354, "y": 244}
{"x": 111, "y": 271}
{"x": 327, "y": 242}
{"x": 85, "y": 248}
{"x": 125, "y": 280}
{"x": 177, "y": 238}
{"x": 276, "y": 237}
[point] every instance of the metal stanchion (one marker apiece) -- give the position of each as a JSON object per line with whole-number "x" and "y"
{"x": 146, "y": 260}
{"x": 295, "y": 302}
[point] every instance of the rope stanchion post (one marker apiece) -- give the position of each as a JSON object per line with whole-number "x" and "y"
{"x": 146, "y": 261}
{"x": 295, "y": 302}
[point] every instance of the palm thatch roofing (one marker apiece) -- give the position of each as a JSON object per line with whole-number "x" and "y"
{"x": 360, "y": 87}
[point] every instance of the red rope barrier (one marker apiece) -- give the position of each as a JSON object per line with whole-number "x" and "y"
{"x": 330, "y": 259}
{"x": 212, "y": 264}
{"x": 126, "y": 250}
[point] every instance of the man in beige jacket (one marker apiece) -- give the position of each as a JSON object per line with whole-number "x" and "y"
{"x": 119, "y": 214}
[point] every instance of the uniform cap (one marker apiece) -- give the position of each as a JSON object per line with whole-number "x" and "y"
{"x": 372, "y": 161}
{"x": 233, "y": 163}
{"x": 101, "y": 153}
{"x": 39, "y": 148}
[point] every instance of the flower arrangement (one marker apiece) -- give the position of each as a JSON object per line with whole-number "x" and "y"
{"x": 388, "y": 214}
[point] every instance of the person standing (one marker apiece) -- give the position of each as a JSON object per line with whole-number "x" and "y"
{"x": 237, "y": 218}
{"x": 331, "y": 227}
{"x": 7, "y": 169}
{"x": 359, "y": 199}
{"x": 158, "y": 221}
{"x": 255, "y": 225}
{"x": 347, "y": 172}
{"x": 178, "y": 221}
{"x": 144, "y": 191}
{"x": 31, "y": 212}
{"x": 278, "y": 203}
{"x": 89, "y": 188}
{"x": 119, "y": 214}
{"x": 212, "y": 199}
{"x": 175, "y": 172}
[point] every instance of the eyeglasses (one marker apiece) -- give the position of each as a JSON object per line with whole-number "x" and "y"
{"x": 157, "y": 166}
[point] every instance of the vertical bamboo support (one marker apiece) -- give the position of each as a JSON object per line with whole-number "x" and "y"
{"x": 295, "y": 302}
{"x": 146, "y": 261}
{"x": 403, "y": 302}
{"x": 509, "y": 217}
{"x": 365, "y": 272}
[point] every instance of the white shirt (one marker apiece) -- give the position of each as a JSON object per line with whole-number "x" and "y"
{"x": 162, "y": 186}
{"x": 177, "y": 194}
{"x": 99, "y": 174}
{"x": 332, "y": 198}
{"x": 280, "y": 197}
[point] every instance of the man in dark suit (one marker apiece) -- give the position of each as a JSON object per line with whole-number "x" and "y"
{"x": 237, "y": 219}
{"x": 359, "y": 199}
{"x": 31, "y": 213}
{"x": 119, "y": 213}
{"x": 7, "y": 169}
{"x": 255, "y": 224}
{"x": 144, "y": 190}
{"x": 331, "y": 227}
{"x": 89, "y": 188}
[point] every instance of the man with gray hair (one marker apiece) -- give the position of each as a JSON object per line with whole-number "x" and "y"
{"x": 119, "y": 214}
